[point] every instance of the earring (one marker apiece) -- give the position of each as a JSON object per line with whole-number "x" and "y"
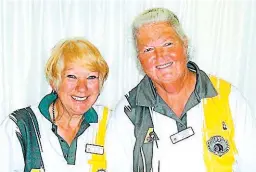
{"x": 54, "y": 92}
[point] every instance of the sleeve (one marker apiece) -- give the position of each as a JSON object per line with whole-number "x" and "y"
{"x": 245, "y": 132}
{"x": 120, "y": 140}
{"x": 10, "y": 149}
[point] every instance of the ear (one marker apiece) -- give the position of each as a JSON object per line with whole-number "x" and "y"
{"x": 53, "y": 86}
{"x": 185, "y": 43}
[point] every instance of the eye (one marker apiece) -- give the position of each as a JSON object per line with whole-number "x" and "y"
{"x": 148, "y": 49}
{"x": 72, "y": 76}
{"x": 92, "y": 77}
{"x": 167, "y": 44}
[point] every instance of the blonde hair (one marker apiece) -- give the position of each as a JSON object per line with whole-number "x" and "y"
{"x": 73, "y": 50}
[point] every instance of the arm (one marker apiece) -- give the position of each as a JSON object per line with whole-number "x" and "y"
{"x": 120, "y": 140}
{"x": 10, "y": 149}
{"x": 245, "y": 132}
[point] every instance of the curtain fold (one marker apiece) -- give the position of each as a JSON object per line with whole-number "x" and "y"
{"x": 222, "y": 41}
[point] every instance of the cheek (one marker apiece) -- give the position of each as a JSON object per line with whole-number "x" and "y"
{"x": 147, "y": 62}
{"x": 178, "y": 54}
{"x": 94, "y": 87}
{"x": 67, "y": 86}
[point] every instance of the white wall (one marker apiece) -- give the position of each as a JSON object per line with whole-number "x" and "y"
{"x": 222, "y": 37}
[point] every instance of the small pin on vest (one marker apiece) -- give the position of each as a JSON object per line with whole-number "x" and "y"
{"x": 224, "y": 126}
{"x": 151, "y": 136}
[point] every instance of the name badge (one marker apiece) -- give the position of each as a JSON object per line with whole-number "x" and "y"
{"x": 94, "y": 149}
{"x": 37, "y": 170}
{"x": 184, "y": 134}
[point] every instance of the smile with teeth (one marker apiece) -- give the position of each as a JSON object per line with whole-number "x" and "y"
{"x": 164, "y": 65}
{"x": 79, "y": 98}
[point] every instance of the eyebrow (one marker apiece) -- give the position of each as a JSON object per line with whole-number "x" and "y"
{"x": 68, "y": 69}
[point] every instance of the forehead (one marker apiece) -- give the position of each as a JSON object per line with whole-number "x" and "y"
{"x": 156, "y": 30}
{"x": 78, "y": 66}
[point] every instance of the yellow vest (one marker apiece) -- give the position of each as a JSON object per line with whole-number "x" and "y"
{"x": 218, "y": 130}
{"x": 98, "y": 162}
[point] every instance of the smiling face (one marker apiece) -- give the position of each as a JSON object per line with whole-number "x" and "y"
{"x": 78, "y": 89}
{"x": 161, "y": 52}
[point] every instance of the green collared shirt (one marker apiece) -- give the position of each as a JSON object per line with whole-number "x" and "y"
{"x": 69, "y": 152}
{"x": 146, "y": 95}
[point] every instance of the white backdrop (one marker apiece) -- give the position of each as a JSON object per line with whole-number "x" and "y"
{"x": 222, "y": 37}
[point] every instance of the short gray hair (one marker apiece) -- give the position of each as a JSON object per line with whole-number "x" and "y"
{"x": 155, "y": 15}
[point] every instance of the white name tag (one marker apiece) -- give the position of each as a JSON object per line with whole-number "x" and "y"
{"x": 184, "y": 134}
{"x": 94, "y": 149}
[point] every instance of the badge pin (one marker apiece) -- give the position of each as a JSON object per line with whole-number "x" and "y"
{"x": 224, "y": 126}
{"x": 218, "y": 145}
{"x": 184, "y": 134}
{"x": 94, "y": 149}
{"x": 151, "y": 136}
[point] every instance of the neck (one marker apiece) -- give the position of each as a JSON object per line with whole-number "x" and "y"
{"x": 178, "y": 86}
{"x": 64, "y": 118}
{"x": 176, "y": 94}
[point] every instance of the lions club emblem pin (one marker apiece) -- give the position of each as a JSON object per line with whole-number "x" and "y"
{"x": 218, "y": 145}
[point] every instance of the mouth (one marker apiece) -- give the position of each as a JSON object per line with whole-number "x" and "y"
{"x": 162, "y": 66}
{"x": 79, "y": 98}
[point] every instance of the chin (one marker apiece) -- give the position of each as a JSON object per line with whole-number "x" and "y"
{"x": 81, "y": 108}
{"x": 81, "y": 111}
{"x": 165, "y": 77}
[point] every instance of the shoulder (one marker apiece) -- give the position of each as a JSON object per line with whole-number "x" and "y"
{"x": 238, "y": 102}
{"x": 119, "y": 121}
{"x": 243, "y": 118}
{"x": 11, "y": 147}
{"x": 14, "y": 121}
{"x": 122, "y": 103}
{"x": 119, "y": 117}
{"x": 245, "y": 129}
{"x": 102, "y": 110}
{"x": 9, "y": 125}
{"x": 237, "y": 96}
{"x": 218, "y": 81}
{"x": 25, "y": 115}
{"x": 119, "y": 108}
{"x": 239, "y": 106}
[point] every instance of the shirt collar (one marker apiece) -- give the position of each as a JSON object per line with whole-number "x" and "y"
{"x": 204, "y": 87}
{"x": 90, "y": 116}
{"x": 144, "y": 94}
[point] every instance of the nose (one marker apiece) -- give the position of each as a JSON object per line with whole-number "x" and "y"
{"x": 159, "y": 54}
{"x": 81, "y": 85}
